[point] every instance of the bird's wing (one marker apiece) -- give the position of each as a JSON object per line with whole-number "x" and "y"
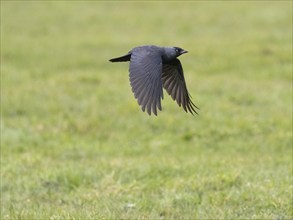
{"x": 145, "y": 71}
{"x": 174, "y": 83}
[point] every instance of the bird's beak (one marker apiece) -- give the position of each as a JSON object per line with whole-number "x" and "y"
{"x": 184, "y": 51}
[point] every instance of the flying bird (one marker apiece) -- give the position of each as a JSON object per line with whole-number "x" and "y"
{"x": 152, "y": 68}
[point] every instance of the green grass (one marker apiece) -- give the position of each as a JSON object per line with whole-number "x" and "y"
{"x": 75, "y": 144}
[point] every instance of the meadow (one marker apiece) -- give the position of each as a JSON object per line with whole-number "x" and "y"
{"x": 75, "y": 144}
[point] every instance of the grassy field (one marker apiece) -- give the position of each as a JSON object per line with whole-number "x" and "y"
{"x": 75, "y": 144}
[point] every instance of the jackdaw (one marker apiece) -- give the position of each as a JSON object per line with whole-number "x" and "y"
{"x": 152, "y": 68}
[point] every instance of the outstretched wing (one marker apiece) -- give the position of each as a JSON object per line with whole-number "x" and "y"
{"x": 145, "y": 71}
{"x": 174, "y": 84}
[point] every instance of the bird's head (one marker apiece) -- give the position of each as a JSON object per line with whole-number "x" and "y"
{"x": 179, "y": 51}
{"x": 170, "y": 53}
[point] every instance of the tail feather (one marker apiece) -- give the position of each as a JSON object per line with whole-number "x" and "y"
{"x": 121, "y": 59}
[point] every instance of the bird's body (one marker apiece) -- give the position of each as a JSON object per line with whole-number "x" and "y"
{"x": 152, "y": 68}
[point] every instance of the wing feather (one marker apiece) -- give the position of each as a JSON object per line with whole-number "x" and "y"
{"x": 174, "y": 84}
{"x": 145, "y": 78}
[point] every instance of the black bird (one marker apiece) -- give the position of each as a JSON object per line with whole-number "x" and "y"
{"x": 152, "y": 68}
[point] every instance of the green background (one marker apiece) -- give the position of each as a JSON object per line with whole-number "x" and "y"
{"x": 75, "y": 144}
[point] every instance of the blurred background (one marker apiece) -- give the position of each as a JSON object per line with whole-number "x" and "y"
{"x": 75, "y": 144}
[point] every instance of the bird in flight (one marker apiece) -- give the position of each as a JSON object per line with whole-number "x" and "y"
{"x": 152, "y": 68}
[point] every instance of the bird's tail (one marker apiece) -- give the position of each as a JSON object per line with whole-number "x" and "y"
{"x": 121, "y": 59}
